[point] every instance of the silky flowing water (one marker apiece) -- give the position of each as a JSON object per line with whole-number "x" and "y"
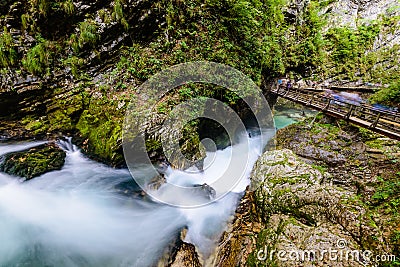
{"x": 88, "y": 214}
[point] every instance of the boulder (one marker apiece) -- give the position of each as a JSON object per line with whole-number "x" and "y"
{"x": 180, "y": 253}
{"x": 33, "y": 162}
{"x": 186, "y": 256}
{"x": 292, "y": 206}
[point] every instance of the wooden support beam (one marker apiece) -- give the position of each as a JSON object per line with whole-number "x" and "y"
{"x": 349, "y": 112}
{"x": 373, "y": 125}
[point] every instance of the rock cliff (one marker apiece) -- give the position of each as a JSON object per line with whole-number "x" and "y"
{"x": 71, "y": 67}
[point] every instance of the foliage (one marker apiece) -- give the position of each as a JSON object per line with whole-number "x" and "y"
{"x": 8, "y": 53}
{"x": 75, "y": 63}
{"x": 347, "y": 47}
{"x": 118, "y": 13}
{"x": 306, "y": 49}
{"x": 37, "y": 9}
{"x": 87, "y": 33}
{"x": 254, "y": 36}
{"x": 67, "y": 6}
{"x": 351, "y": 54}
{"x": 389, "y": 192}
{"x": 39, "y": 58}
{"x": 388, "y": 96}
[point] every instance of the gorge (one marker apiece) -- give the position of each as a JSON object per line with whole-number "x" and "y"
{"x": 68, "y": 71}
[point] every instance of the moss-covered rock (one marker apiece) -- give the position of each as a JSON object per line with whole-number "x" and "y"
{"x": 305, "y": 204}
{"x": 101, "y": 136}
{"x": 33, "y": 162}
{"x": 328, "y": 142}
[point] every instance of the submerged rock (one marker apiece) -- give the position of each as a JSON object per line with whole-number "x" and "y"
{"x": 205, "y": 190}
{"x": 33, "y": 162}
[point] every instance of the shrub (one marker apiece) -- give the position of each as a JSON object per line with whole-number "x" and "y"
{"x": 388, "y": 96}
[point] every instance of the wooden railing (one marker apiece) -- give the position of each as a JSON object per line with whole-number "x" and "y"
{"x": 382, "y": 121}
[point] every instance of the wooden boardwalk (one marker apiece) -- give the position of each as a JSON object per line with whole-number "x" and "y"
{"x": 378, "y": 120}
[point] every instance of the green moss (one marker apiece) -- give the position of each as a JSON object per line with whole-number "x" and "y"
{"x": 321, "y": 169}
{"x": 267, "y": 240}
{"x": 366, "y": 134}
{"x": 290, "y": 180}
{"x": 375, "y": 143}
{"x": 60, "y": 119}
{"x": 34, "y": 125}
{"x": 104, "y": 136}
{"x": 33, "y": 162}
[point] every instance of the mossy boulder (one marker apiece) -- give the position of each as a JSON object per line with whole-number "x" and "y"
{"x": 323, "y": 140}
{"x": 100, "y": 133}
{"x": 294, "y": 206}
{"x": 33, "y": 162}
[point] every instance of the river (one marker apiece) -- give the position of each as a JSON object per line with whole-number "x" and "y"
{"x": 88, "y": 214}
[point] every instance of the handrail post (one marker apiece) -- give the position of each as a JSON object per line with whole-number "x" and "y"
{"x": 298, "y": 93}
{"x": 311, "y": 99}
{"x": 287, "y": 91}
{"x": 327, "y": 105}
{"x": 373, "y": 125}
{"x": 349, "y": 112}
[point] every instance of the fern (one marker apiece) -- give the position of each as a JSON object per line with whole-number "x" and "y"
{"x": 38, "y": 58}
{"x": 87, "y": 33}
{"x": 8, "y": 55}
{"x": 67, "y": 6}
{"x": 118, "y": 13}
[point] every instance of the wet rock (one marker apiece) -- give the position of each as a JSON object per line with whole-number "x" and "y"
{"x": 156, "y": 182}
{"x": 294, "y": 207}
{"x": 180, "y": 253}
{"x": 204, "y": 190}
{"x": 186, "y": 256}
{"x": 238, "y": 241}
{"x": 33, "y": 162}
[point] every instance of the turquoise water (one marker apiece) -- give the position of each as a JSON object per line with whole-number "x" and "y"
{"x": 285, "y": 116}
{"x": 281, "y": 121}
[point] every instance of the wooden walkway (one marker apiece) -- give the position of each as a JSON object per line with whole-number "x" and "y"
{"x": 378, "y": 120}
